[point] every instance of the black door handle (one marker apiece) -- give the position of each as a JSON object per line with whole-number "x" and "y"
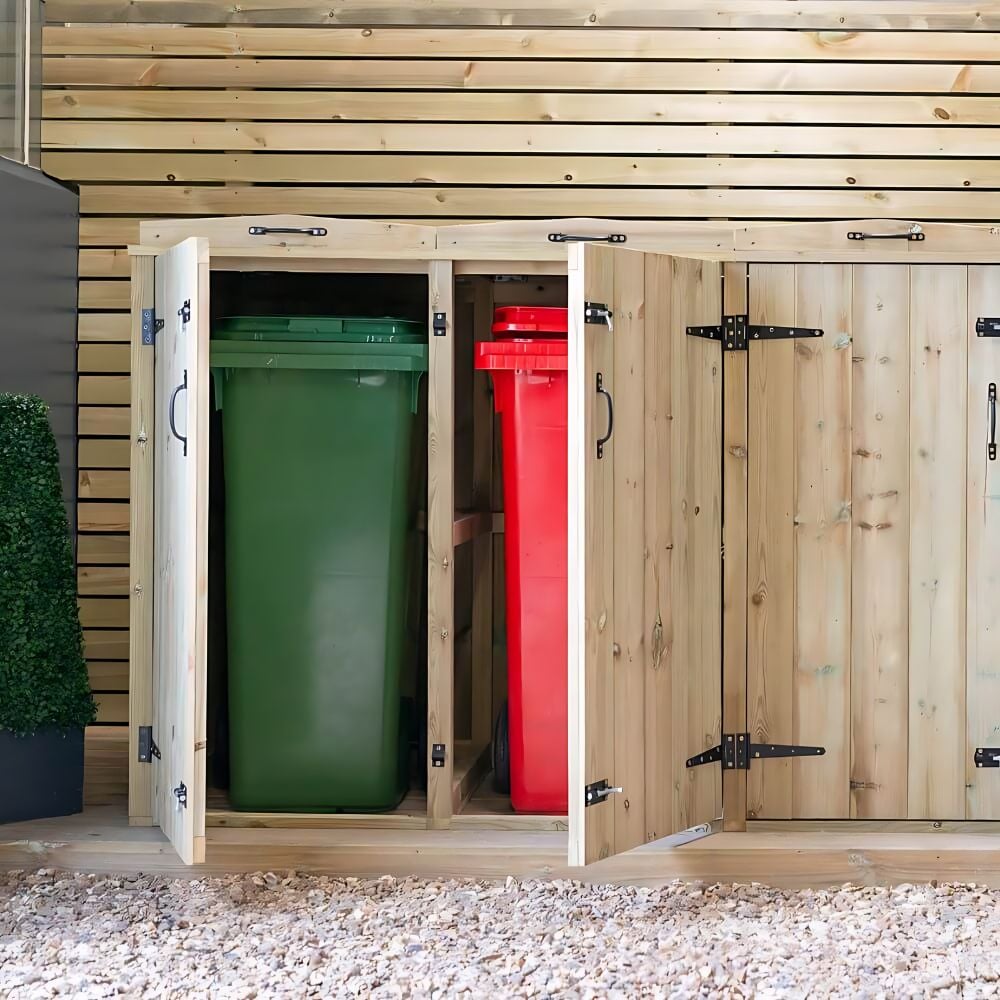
{"x": 170, "y": 412}
{"x": 991, "y": 416}
{"x": 298, "y": 231}
{"x": 601, "y": 442}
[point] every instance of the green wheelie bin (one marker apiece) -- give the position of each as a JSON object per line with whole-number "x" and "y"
{"x": 318, "y": 435}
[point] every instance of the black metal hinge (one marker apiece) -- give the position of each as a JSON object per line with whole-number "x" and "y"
{"x": 575, "y": 238}
{"x": 598, "y": 313}
{"x": 147, "y": 747}
{"x": 736, "y": 752}
{"x": 987, "y": 757}
{"x": 151, "y": 326}
{"x": 597, "y": 792}
{"x": 988, "y": 326}
{"x": 440, "y": 324}
{"x": 736, "y": 333}
{"x": 437, "y": 755}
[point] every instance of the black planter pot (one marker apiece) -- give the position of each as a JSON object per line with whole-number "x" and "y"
{"x": 41, "y": 775}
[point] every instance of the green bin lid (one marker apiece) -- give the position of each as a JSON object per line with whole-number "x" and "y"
{"x": 339, "y": 329}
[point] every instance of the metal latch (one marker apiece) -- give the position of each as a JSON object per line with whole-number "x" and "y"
{"x": 437, "y": 755}
{"x": 147, "y": 746}
{"x": 599, "y": 314}
{"x": 988, "y": 326}
{"x": 185, "y": 312}
{"x": 735, "y": 332}
{"x": 596, "y": 792}
{"x": 181, "y": 794}
{"x": 987, "y": 757}
{"x": 440, "y": 324}
{"x": 151, "y": 326}
{"x": 735, "y": 752}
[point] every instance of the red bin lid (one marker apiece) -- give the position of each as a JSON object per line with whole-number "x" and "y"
{"x": 522, "y": 355}
{"x": 528, "y": 320}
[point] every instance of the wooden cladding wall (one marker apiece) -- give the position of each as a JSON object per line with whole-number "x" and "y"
{"x": 467, "y": 109}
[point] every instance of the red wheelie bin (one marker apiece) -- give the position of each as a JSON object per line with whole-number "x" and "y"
{"x": 528, "y": 365}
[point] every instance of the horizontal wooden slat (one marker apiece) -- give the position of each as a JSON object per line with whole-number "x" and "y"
{"x": 103, "y": 517}
{"x": 102, "y": 581}
{"x": 842, "y": 15}
{"x": 103, "y": 453}
{"x": 111, "y": 644}
{"x": 108, "y": 675}
{"x": 104, "y": 390}
{"x": 567, "y": 170}
{"x": 414, "y": 137}
{"x": 104, "y": 421}
{"x": 103, "y": 484}
{"x": 104, "y": 358}
{"x": 108, "y": 232}
{"x": 540, "y": 202}
{"x": 100, "y": 612}
{"x": 102, "y": 550}
{"x": 104, "y": 294}
{"x": 104, "y": 264}
{"x": 96, "y": 327}
{"x": 465, "y": 74}
{"x": 111, "y": 708}
{"x": 473, "y": 106}
{"x": 516, "y": 43}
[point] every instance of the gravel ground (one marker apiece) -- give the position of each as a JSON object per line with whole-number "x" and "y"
{"x": 289, "y": 935}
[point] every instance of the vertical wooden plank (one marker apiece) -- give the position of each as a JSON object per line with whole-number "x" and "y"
{"x": 140, "y": 684}
{"x": 482, "y": 547}
{"x": 938, "y": 497}
{"x": 440, "y": 546}
{"x": 658, "y": 530}
{"x": 881, "y": 540}
{"x": 822, "y": 651}
{"x": 695, "y": 476}
{"x": 771, "y": 555}
{"x": 591, "y": 557}
{"x": 627, "y": 457}
{"x": 983, "y": 628}
{"x": 734, "y": 539}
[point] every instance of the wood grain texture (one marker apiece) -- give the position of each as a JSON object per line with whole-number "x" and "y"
{"x": 938, "y": 499}
{"x": 983, "y": 551}
{"x": 881, "y": 541}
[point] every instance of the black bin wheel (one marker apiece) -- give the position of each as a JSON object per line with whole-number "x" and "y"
{"x": 501, "y": 753}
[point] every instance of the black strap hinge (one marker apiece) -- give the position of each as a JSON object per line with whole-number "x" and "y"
{"x": 735, "y": 333}
{"x": 736, "y": 752}
{"x": 147, "y": 746}
{"x": 988, "y": 326}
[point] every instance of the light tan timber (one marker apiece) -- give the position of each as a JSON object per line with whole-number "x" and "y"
{"x": 983, "y": 550}
{"x": 103, "y": 484}
{"x": 938, "y": 498}
{"x": 735, "y": 409}
{"x": 881, "y": 541}
{"x": 440, "y": 548}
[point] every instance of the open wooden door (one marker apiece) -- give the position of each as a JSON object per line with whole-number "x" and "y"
{"x": 180, "y": 523}
{"x": 645, "y": 536}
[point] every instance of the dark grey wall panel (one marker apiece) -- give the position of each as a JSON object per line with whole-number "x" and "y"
{"x": 39, "y": 233}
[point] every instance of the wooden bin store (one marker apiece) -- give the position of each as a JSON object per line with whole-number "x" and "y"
{"x": 784, "y": 518}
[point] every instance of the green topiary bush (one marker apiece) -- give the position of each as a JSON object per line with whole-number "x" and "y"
{"x": 43, "y": 675}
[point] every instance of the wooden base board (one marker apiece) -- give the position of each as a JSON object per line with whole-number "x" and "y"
{"x": 100, "y": 840}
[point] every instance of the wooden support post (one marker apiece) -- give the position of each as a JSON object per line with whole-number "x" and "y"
{"x": 140, "y": 687}
{"x": 734, "y": 541}
{"x": 482, "y": 551}
{"x": 440, "y": 546}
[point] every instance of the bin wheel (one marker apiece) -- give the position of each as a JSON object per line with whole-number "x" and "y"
{"x": 501, "y": 753}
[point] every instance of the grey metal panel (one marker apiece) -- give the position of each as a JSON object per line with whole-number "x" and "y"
{"x": 39, "y": 246}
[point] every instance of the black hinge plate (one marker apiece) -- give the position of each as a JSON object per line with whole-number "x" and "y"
{"x": 437, "y": 755}
{"x": 597, "y": 313}
{"x": 440, "y": 324}
{"x": 735, "y": 752}
{"x": 988, "y": 326}
{"x": 147, "y": 746}
{"x": 987, "y": 757}
{"x": 735, "y": 332}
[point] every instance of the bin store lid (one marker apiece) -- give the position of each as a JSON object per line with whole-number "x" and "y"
{"x": 528, "y": 320}
{"x": 522, "y": 355}
{"x": 339, "y": 329}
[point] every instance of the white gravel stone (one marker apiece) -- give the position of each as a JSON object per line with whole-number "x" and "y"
{"x": 280, "y": 934}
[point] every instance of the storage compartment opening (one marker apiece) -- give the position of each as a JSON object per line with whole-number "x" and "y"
{"x": 317, "y": 574}
{"x": 482, "y": 627}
